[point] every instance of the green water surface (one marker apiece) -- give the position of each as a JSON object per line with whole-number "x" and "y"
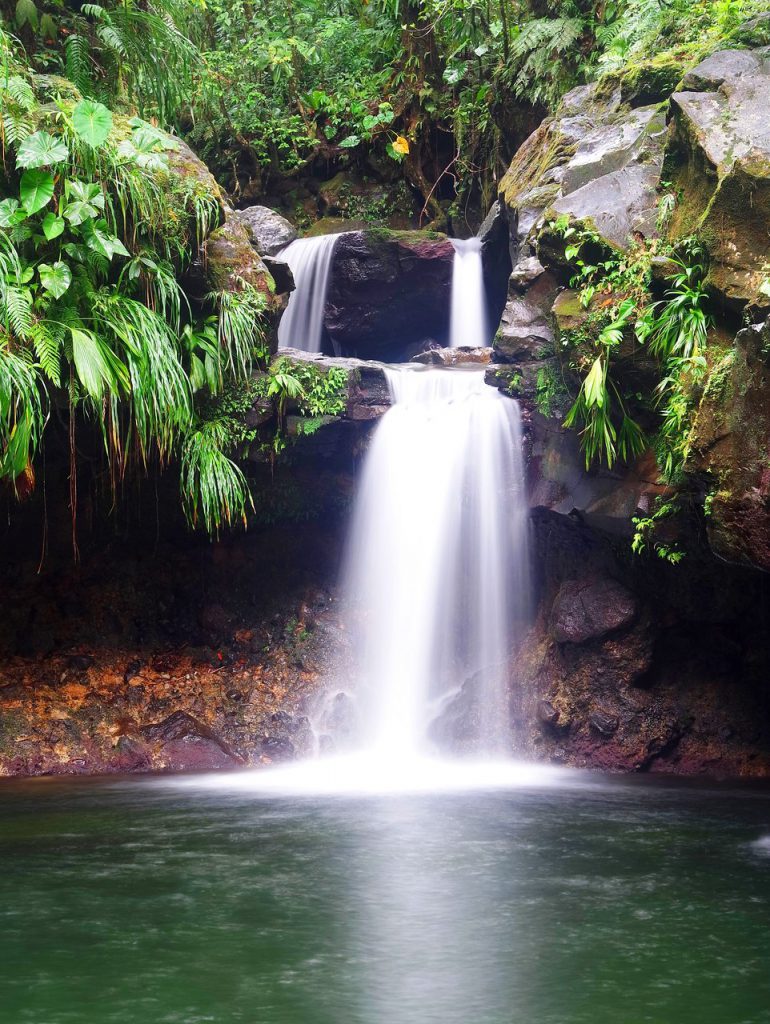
{"x": 602, "y": 902}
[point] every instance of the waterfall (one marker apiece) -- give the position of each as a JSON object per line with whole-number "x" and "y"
{"x": 436, "y": 575}
{"x": 468, "y": 324}
{"x": 310, "y": 260}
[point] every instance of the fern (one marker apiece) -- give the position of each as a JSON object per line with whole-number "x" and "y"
{"x": 543, "y": 58}
{"x": 77, "y": 63}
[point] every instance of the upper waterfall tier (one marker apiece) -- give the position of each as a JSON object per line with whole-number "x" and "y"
{"x": 310, "y": 260}
{"x": 468, "y": 325}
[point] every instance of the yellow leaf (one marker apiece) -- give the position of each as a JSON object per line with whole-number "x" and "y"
{"x": 401, "y": 145}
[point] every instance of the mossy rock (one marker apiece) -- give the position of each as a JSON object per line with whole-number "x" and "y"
{"x": 652, "y": 81}
{"x": 231, "y": 261}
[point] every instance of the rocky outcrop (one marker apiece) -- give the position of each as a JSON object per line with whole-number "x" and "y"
{"x": 720, "y": 160}
{"x": 389, "y": 294}
{"x": 731, "y": 447}
{"x": 596, "y": 160}
{"x": 268, "y": 231}
{"x": 641, "y": 668}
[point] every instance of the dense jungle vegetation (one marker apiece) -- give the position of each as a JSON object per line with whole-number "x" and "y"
{"x": 97, "y": 323}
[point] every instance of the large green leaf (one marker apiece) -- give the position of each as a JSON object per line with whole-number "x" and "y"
{"x": 41, "y": 150}
{"x": 52, "y": 225}
{"x": 10, "y": 213}
{"x": 36, "y": 189}
{"x": 55, "y": 278}
{"x": 92, "y": 122}
{"x": 96, "y": 364}
{"x": 97, "y": 236}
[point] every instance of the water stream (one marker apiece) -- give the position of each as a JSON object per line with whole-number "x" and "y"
{"x": 310, "y": 260}
{"x": 436, "y": 582}
{"x": 468, "y": 323}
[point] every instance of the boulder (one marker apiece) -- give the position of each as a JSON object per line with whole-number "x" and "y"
{"x": 590, "y": 609}
{"x": 596, "y": 160}
{"x": 231, "y": 261}
{"x": 268, "y": 231}
{"x": 181, "y": 743}
{"x": 389, "y": 292}
{"x": 720, "y": 161}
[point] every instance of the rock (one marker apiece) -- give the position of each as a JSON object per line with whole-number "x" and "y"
{"x": 231, "y": 261}
{"x": 461, "y": 356}
{"x": 368, "y": 393}
{"x": 588, "y": 610}
{"x": 594, "y": 161}
{"x": 720, "y": 157}
{"x": 525, "y": 332}
{"x": 185, "y": 744}
{"x": 388, "y": 292}
{"x": 722, "y": 66}
{"x": 730, "y": 446}
{"x": 268, "y": 231}
{"x": 496, "y": 259}
{"x": 547, "y": 713}
{"x": 79, "y": 662}
{"x": 603, "y": 723}
{"x": 621, "y": 205}
{"x": 281, "y": 274}
{"x": 215, "y": 619}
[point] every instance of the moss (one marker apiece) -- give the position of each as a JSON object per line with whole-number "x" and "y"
{"x": 652, "y": 81}
{"x": 545, "y": 149}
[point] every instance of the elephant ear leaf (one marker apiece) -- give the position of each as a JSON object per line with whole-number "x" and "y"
{"x": 36, "y": 189}
{"x": 92, "y": 122}
{"x": 41, "y": 150}
{"x": 55, "y": 278}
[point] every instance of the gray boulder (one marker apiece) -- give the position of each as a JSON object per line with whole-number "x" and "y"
{"x": 268, "y": 231}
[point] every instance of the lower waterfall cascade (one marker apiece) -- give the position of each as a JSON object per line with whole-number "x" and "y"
{"x": 436, "y": 582}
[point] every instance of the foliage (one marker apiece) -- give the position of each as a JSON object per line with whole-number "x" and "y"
{"x": 647, "y": 532}
{"x": 94, "y": 232}
{"x": 674, "y": 329}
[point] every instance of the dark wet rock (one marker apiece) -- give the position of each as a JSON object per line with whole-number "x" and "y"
{"x": 182, "y": 743}
{"x": 281, "y": 274}
{"x": 590, "y": 609}
{"x": 495, "y": 258}
{"x": 603, "y": 723}
{"x": 36, "y": 641}
{"x": 368, "y": 394}
{"x": 389, "y": 291}
{"x": 268, "y": 231}
{"x": 547, "y": 713}
{"x": 215, "y": 619}
{"x": 79, "y": 662}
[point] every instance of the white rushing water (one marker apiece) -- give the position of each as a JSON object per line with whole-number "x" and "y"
{"x": 468, "y": 324}
{"x": 436, "y": 576}
{"x": 310, "y": 260}
{"x": 436, "y": 588}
